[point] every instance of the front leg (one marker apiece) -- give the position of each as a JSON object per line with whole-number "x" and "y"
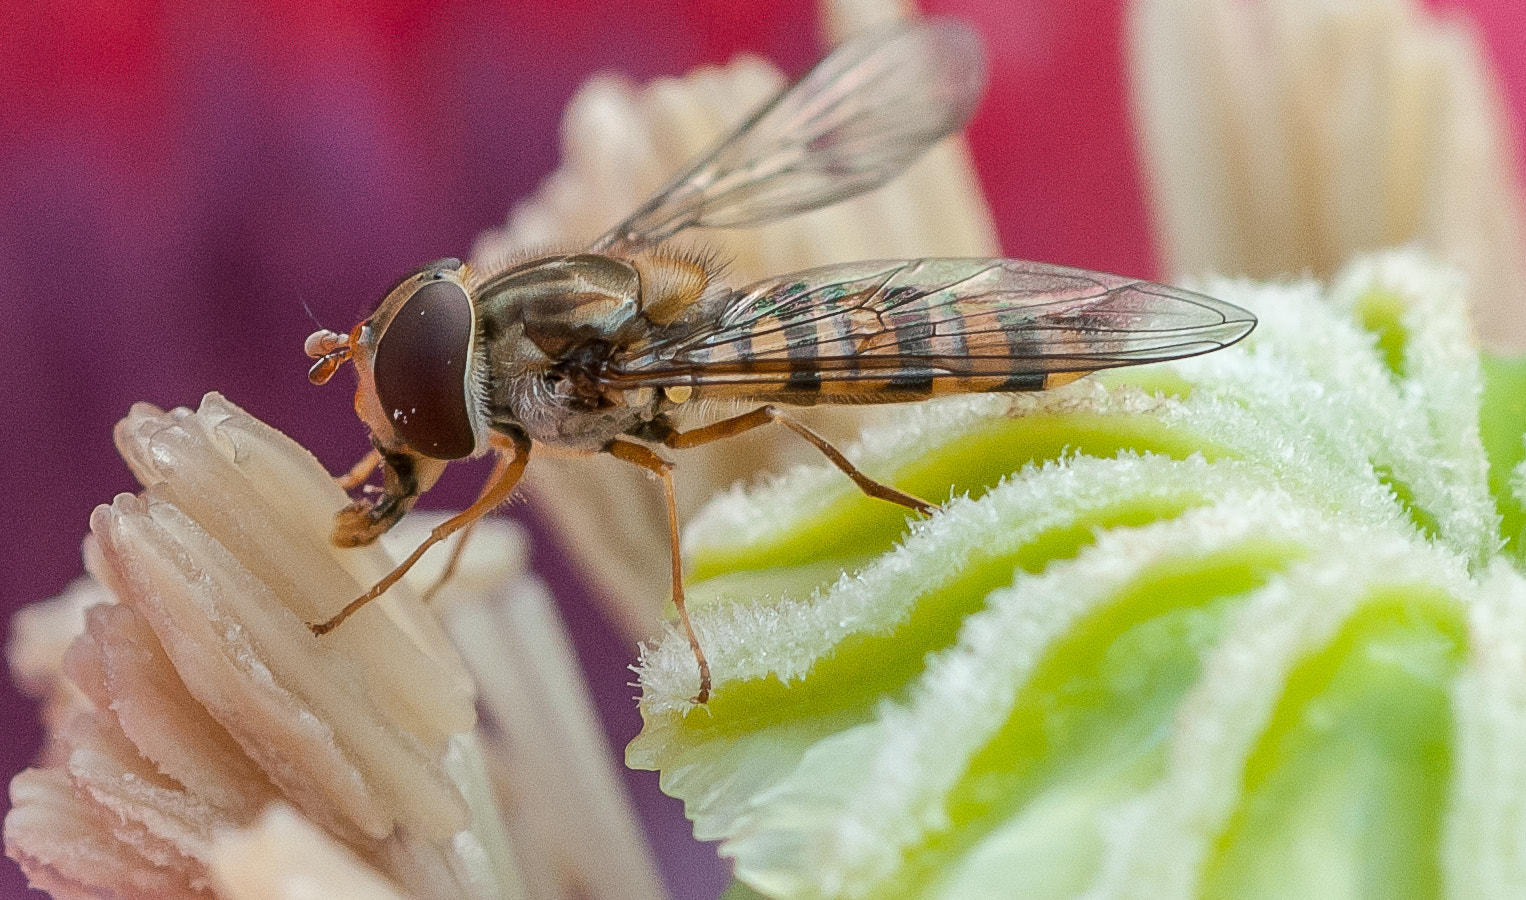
{"x": 359, "y": 473}
{"x": 404, "y": 477}
{"x": 513, "y": 454}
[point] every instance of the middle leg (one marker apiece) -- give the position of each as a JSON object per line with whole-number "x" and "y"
{"x": 764, "y": 415}
{"x": 641, "y": 456}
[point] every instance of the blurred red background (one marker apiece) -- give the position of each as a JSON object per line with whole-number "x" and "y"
{"x": 181, "y": 181}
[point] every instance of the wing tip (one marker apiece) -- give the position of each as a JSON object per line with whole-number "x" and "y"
{"x": 1237, "y": 325}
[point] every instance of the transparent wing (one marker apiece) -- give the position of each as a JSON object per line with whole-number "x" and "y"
{"x": 859, "y": 118}
{"x": 931, "y": 319}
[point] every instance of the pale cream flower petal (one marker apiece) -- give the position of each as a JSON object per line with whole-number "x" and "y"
{"x": 301, "y": 713}
{"x": 545, "y": 750}
{"x": 205, "y": 697}
{"x": 575, "y": 829}
{"x": 67, "y": 847}
{"x": 140, "y": 687}
{"x": 285, "y": 857}
{"x": 147, "y": 811}
{"x": 40, "y": 636}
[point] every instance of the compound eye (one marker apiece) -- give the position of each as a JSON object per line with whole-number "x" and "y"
{"x": 421, "y": 366}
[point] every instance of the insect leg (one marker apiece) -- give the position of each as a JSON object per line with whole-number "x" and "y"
{"x": 457, "y": 550}
{"x": 405, "y": 475}
{"x": 359, "y": 472}
{"x": 763, "y": 415}
{"x": 506, "y": 474}
{"x": 646, "y": 459}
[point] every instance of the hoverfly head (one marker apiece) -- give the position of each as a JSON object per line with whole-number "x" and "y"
{"x": 420, "y": 373}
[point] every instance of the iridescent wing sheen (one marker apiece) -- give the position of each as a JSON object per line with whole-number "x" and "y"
{"x": 930, "y": 325}
{"x": 860, "y": 117}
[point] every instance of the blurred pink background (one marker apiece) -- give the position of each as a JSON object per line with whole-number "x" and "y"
{"x": 178, "y": 180}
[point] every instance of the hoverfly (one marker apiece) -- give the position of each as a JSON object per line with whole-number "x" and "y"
{"x": 593, "y": 351}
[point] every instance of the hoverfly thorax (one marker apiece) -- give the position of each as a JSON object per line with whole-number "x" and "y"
{"x": 562, "y": 302}
{"x": 553, "y": 326}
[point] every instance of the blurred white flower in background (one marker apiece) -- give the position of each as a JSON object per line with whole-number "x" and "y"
{"x": 1284, "y": 137}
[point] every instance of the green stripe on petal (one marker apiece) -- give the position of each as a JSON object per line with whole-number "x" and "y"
{"x": 1503, "y": 424}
